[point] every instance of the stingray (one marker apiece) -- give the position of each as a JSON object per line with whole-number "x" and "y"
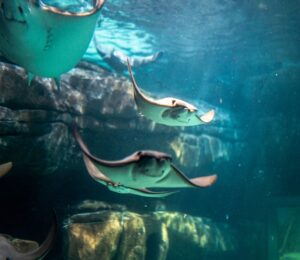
{"x": 5, "y": 168}
{"x": 45, "y": 40}
{"x": 139, "y": 171}
{"x": 168, "y": 111}
{"x": 8, "y": 251}
{"x": 117, "y": 60}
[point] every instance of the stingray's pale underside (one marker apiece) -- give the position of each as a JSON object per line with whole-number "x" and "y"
{"x": 168, "y": 111}
{"x": 140, "y": 171}
{"x": 45, "y": 40}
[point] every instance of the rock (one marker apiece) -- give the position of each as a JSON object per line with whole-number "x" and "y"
{"x": 113, "y": 235}
{"x": 200, "y": 232}
{"x": 22, "y": 245}
{"x": 42, "y": 139}
{"x": 133, "y": 237}
{"x": 95, "y": 239}
{"x": 196, "y": 151}
{"x": 99, "y": 205}
{"x": 128, "y": 235}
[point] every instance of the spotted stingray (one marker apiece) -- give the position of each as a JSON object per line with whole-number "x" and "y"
{"x": 139, "y": 171}
{"x": 45, "y": 40}
{"x": 168, "y": 111}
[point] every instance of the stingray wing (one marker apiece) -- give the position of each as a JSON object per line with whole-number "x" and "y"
{"x": 154, "y": 109}
{"x": 113, "y": 178}
{"x": 176, "y": 179}
{"x": 147, "y": 106}
{"x": 97, "y": 175}
{"x": 106, "y": 172}
{"x": 202, "y": 119}
{"x": 61, "y": 29}
{"x": 38, "y": 42}
{"x": 94, "y": 171}
{"x": 5, "y": 168}
{"x": 139, "y": 94}
{"x": 208, "y": 117}
{"x": 127, "y": 160}
{"x": 149, "y": 193}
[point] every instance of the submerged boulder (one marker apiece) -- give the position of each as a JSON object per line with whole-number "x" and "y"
{"x": 198, "y": 150}
{"x": 21, "y": 245}
{"x": 156, "y": 235}
{"x": 111, "y": 235}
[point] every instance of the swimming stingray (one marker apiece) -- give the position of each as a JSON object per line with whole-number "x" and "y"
{"x": 168, "y": 111}
{"x": 117, "y": 60}
{"x": 5, "y": 168}
{"x": 43, "y": 39}
{"x": 139, "y": 171}
{"x": 8, "y": 251}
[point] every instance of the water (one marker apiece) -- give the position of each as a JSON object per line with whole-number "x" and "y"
{"x": 223, "y": 42}
{"x": 241, "y": 58}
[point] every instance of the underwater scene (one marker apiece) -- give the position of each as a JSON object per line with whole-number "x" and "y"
{"x": 149, "y": 130}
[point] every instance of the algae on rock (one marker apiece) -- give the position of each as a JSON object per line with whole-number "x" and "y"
{"x": 129, "y": 235}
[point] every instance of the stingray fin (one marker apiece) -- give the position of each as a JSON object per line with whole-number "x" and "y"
{"x": 98, "y": 176}
{"x": 179, "y": 179}
{"x": 80, "y": 142}
{"x": 138, "y": 93}
{"x": 208, "y": 117}
{"x": 94, "y": 172}
{"x": 204, "y": 181}
{"x": 5, "y": 168}
{"x": 148, "y": 193}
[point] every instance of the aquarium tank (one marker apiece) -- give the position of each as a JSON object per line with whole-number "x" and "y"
{"x": 150, "y": 130}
